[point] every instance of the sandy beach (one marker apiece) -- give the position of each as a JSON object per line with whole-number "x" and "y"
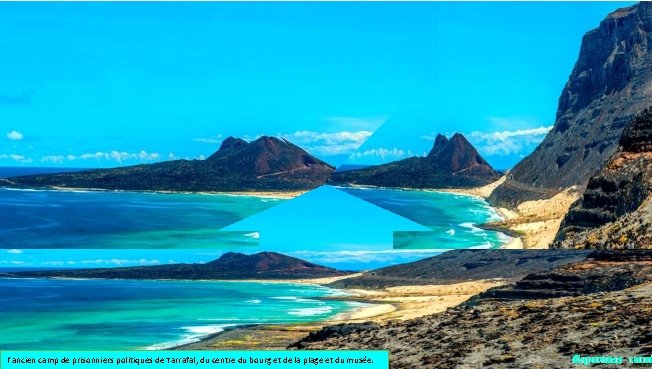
{"x": 409, "y": 302}
{"x": 381, "y": 306}
{"x": 261, "y": 194}
{"x": 537, "y": 221}
{"x": 533, "y": 224}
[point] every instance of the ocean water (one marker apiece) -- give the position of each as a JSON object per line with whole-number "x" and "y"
{"x": 57, "y": 314}
{"x": 453, "y": 218}
{"x": 128, "y": 220}
{"x": 39, "y": 219}
{"x": 103, "y": 229}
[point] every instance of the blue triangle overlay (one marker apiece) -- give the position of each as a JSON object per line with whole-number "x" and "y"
{"x": 322, "y": 219}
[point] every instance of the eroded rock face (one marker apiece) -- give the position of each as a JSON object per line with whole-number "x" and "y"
{"x": 615, "y": 209}
{"x": 610, "y": 83}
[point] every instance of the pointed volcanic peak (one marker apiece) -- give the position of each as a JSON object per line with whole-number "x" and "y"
{"x": 231, "y": 265}
{"x": 268, "y": 263}
{"x": 229, "y": 145}
{"x": 458, "y": 154}
{"x": 266, "y": 164}
{"x": 451, "y": 163}
{"x": 610, "y": 83}
{"x": 267, "y": 156}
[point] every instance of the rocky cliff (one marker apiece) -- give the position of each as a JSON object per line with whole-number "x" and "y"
{"x": 615, "y": 210}
{"x": 266, "y": 164}
{"x": 611, "y": 81}
{"x": 451, "y": 162}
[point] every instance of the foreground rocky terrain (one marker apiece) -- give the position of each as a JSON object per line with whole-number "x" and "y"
{"x": 610, "y": 83}
{"x": 615, "y": 211}
{"x": 598, "y": 306}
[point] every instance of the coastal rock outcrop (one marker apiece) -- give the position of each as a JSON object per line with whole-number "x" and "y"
{"x": 610, "y": 83}
{"x": 265, "y": 164}
{"x": 451, "y": 162}
{"x": 615, "y": 210}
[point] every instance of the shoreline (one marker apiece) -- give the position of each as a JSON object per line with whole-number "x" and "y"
{"x": 379, "y": 306}
{"x": 480, "y": 193}
{"x": 259, "y": 194}
{"x": 533, "y": 224}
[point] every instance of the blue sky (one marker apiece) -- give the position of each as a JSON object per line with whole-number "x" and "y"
{"x": 108, "y": 84}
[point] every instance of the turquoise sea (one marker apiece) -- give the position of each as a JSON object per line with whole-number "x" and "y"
{"x": 73, "y": 229}
{"x": 128, "y": 220}
{"x": 57, "y": 314}
{"x": 100, "y": 229}
{"x": 452, "y": 217}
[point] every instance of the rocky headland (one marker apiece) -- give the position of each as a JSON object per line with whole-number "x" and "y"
{"x": 230, "y": 266}
{"x": 265, "y": 164}
{"x": 450, "y": 163}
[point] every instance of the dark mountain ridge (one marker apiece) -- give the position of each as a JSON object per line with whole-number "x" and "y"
{"x": 451, "y": 163}
{"x": 610, "y": 83}
{"x": 463, "y": 265}
{"x": 231, "y": 265}
{"x": 266, "y": 164}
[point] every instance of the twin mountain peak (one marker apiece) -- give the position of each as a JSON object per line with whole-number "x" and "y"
{"x": 275, "y": 164}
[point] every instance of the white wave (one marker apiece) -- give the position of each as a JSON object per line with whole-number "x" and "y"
{"x": 473, "y": 229}
{"x": 310, "y": 311}
{"x": 22, "y": 189}
{"x": 254, "y": 235}
{"x": 295, "y": 299}
{"x": 254, "y": 301}
{"x": 485, "y": 245}
{"x": 451, "y": 232}
{"x": 193, "y": 334}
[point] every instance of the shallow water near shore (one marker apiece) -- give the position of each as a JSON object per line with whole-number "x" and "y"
{"x": 57, "y": 314}
{"x": 452, "y": 217}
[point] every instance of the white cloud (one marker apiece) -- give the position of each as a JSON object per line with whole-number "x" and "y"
{"x": 328, "y": 144}
{"x": 210, "y": 140}
{"x": 384, "y": 154}
{"x": 13, "y": 262}
{"x": 15, "y": 157}
{"x": 53, "y": 159}
{"x": 14, "y": 251}
{"x": 507, "y": 142}
{"x": 113, "y": 155}
{"x": 366, "y": 256}
{"x": 15, "y": 136}
{"x": 100, "y": 262}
